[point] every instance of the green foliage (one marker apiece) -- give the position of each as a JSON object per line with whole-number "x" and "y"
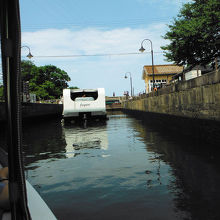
{"x": 27, "y": 70}
{"x": 195, "y": 34}
{"x": 73, "y": 87}
{"x": 47, "y": 82}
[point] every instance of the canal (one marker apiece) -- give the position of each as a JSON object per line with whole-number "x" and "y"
{"x": 121, "y": 169}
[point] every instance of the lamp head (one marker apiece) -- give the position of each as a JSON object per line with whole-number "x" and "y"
{"x": 141, "y": 49}
{"x": 29, "y": 55}
{"x": 126, "y": 77}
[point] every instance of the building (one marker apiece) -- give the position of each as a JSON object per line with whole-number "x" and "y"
{"x": 162, "y": 75}
{"x": 192, "y": 72}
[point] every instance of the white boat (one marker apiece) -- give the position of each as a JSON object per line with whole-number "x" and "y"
{"x": 84, "y": 103}
{"x": 35, "y": 203}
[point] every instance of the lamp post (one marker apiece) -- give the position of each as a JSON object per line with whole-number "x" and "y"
{"x": 130, "y": 81}
{"x": 152, "y": 56}
{"x": 29, "y": 54}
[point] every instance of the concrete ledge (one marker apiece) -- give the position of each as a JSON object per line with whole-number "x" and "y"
{"x": 35, "y": 110}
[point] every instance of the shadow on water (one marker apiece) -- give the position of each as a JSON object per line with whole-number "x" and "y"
{"x": 195, "y": 167}
{"x": 84, "y": 123}
{"x": 43, "y": 140}
{"x": 52, "y": 139}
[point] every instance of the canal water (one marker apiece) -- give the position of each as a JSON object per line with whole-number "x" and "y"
{"x": 121, "y": 169}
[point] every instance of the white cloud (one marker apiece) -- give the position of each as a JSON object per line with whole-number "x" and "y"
{"x": 92, "y": 72}
{"x": 56, "y": 41}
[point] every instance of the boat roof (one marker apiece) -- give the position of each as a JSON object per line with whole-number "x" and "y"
{"x": 83, "y": 90}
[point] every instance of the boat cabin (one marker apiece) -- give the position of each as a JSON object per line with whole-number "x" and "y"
{"x": 84, "y": 103}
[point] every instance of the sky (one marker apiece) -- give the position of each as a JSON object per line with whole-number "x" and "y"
{"x": 97, "y": 41}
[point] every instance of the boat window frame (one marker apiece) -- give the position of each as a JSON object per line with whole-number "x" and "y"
{"x": 84, "y": 94}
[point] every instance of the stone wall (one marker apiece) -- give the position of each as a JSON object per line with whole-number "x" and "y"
{"x": 196, "y": 98}
{"x": 35, "y": 110}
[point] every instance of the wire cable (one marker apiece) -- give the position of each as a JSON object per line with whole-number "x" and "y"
{"x": 92, "y": 55}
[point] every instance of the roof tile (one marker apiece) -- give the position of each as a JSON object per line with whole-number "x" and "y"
{"x": 163, "y": 69}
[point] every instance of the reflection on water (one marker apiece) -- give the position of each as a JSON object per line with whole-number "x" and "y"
{"x": 82, "y": 141}
{"x": 121, "y": 170}
{"x": 196, "y": 170}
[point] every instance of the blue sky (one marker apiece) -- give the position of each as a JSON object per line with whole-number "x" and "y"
{"x": 91, "y": 27}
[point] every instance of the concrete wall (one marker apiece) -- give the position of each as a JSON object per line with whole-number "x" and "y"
{"x": 196, "y": 98}
{"x": 35, "y": 110}
{"x": 2, "y": 111}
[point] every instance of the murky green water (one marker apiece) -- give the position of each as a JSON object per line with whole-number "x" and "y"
{"x": 120, "y": 170}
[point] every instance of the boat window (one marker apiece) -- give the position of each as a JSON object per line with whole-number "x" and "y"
{"x": 84, "y": 96}
{"x": 84, "y": 99}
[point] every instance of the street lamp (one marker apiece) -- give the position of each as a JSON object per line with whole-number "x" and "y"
{"x": 29, "y": 54}
{"x": 152, "y": 56}
{"x": 130, "y": 80}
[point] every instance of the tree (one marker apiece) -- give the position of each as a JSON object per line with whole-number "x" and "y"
{"x": 195, "y": 34}
{"x": 73, "y": 87}
{"x": 47, "y": 82}
{"x": 27, "y": 70}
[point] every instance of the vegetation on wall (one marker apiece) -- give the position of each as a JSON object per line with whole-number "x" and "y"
{"x": 195, "y": 34}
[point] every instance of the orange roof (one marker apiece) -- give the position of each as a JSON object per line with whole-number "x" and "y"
{"x": 163, "y": 69}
